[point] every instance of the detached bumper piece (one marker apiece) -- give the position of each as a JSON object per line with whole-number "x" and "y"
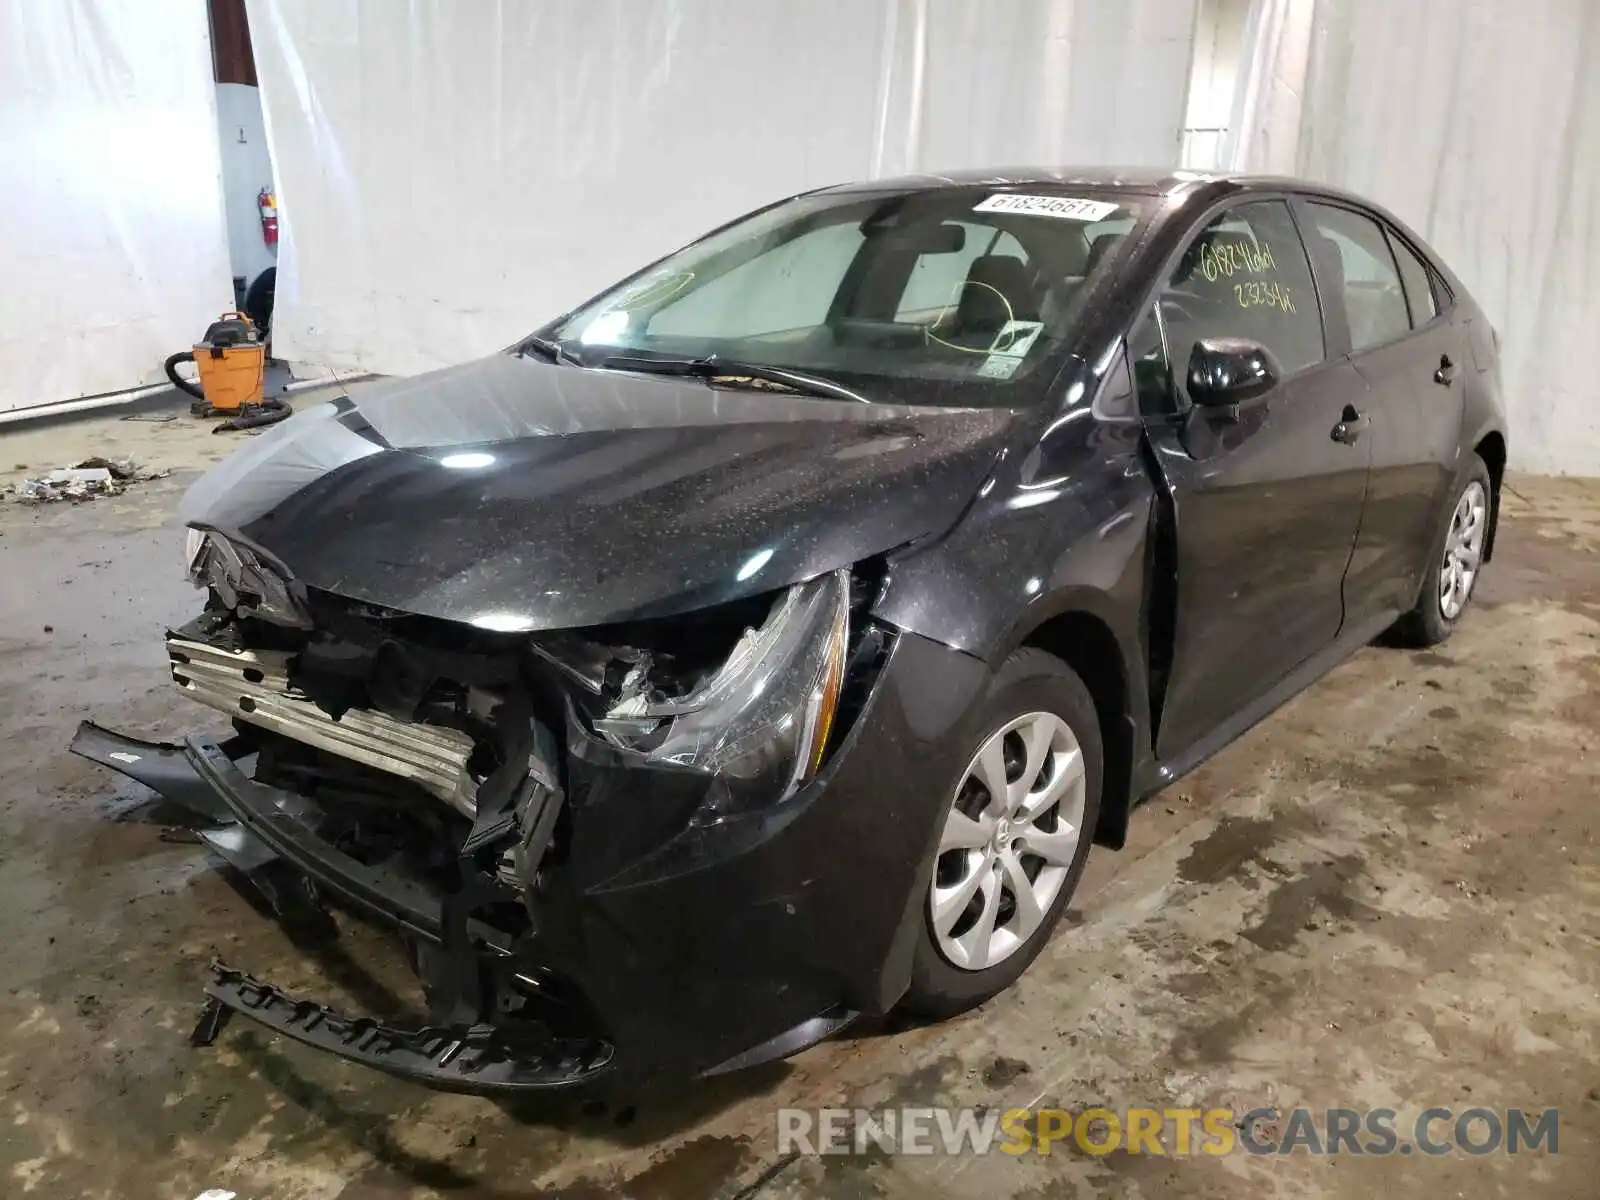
{"x": 477, "y": 1059}
{"x": 159, "y": 766}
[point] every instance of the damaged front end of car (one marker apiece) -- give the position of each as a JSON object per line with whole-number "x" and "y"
{"x": 573, "y": 831}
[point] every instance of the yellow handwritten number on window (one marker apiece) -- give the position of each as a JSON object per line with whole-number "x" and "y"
{"x": 1219, "y": 259}
{"x": 1263, "y": 293}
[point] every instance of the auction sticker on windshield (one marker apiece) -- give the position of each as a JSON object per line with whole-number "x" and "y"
{"x": 1010, "y": 347}
{"x": 1066, "y": 207}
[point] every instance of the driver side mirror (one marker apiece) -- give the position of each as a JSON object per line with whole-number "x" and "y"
{"x": 1224, "y": 372}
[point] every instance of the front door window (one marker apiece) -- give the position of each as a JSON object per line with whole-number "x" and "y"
{"x": 1245, "y": 275}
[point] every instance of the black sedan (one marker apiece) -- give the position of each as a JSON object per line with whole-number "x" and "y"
{"x": 765, "y": 642}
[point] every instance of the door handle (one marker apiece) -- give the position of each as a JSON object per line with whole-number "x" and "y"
{"x": 1446, "y": 373}
{"x": 1351, "y": 426}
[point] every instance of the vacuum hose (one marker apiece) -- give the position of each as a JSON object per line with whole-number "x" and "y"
{"x": 253, "y": 416}
{"x": 178, "y": 381}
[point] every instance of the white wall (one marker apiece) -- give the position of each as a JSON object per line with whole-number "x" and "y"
{"x": 112, "y": 251}
{"x": 454, "y": 172}
{"x": 1479, "y": 124}
{"x": 1219, "y": 44}
{"x": 246, "y": 169}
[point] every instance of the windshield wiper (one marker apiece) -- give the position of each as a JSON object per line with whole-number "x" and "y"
{"x": 549, "y": 348}
{"x": 714, "y": 366}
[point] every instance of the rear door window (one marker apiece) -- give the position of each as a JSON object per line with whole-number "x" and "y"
{"x": 1418, "y": 282}
{"x": 1365, "y": 274}
{"x": 1245, "y": 275}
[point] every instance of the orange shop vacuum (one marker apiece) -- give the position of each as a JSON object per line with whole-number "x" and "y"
{"x": 231, "y": 362}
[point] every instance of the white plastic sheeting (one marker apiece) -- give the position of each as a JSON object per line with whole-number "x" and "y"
{"x": 453, "y": 172}
{"x": 1478, "y": 123}
{"x": 112, "y": 249}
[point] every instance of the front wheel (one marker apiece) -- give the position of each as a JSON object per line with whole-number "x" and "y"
{"x": 1454, "y": 571}
{"x": 1014, "y": 835}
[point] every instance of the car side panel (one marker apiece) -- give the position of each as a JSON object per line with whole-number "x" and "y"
{"x": 1062, "y": 527}
{"x": 1266, "y": 510}
{"x": 1415, "y": 427}
{"x": 1064, "y": 530}
{"x": 1416, "y": 434}
{"x": 1483, "y": 411}
{"x": 1072, "y": 507}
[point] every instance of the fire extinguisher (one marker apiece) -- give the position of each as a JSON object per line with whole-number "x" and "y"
{"x": 268, "y": 204}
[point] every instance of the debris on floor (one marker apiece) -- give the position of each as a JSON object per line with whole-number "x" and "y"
{"x": 84, "y": 480}
{"x": 1003, "y": 1071}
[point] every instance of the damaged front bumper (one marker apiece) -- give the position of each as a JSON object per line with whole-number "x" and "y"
{"x": 479, "y": 1059}
{"x": 659, "y": 949}
{"x": 470, "y": 1056}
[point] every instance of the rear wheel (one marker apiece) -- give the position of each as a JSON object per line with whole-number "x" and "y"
{"x": 1014, "y": 837}
{"x": 1456, "y": 564}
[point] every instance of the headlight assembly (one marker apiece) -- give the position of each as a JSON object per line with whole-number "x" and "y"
{"x": 760, "y": 723}
{"x": 241, "y": 580}
{"x": 194, "y": 544}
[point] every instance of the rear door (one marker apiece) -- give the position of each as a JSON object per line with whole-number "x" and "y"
{"x": 1266, "y": 504}
{"x": 1414, "y": 360}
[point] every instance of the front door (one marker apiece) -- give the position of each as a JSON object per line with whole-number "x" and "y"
{"x": 1267, "y": 501}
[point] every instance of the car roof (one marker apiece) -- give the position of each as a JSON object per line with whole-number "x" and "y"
{"x": 1147, "y": 181}
{"x": 1193, "y": 189}
{"x": 1153, "y": 181}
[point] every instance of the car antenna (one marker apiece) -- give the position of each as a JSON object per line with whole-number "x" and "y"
{"x": 344, "y": 392}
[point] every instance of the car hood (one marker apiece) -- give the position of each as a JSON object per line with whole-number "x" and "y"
{"x": 516, "y": 494}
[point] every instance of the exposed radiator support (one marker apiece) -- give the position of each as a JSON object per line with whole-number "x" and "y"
{"x": 253, "y": 686}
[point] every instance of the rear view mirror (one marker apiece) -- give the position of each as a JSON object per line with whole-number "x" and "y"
{"x": 1224, "y": 372}
{"x": 921, "y": 239}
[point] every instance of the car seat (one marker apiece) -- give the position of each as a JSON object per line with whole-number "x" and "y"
{"x": 998, "y": 288}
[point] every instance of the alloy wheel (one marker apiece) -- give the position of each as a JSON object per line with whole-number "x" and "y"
{"x": 1009, "y": 838}
{"x": 1463, "y": 550}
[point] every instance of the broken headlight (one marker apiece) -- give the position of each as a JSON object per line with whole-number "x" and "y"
{"x": 241, "y": 580}
{"x": 760, "y": 723}
{"x": 194, "y": 545}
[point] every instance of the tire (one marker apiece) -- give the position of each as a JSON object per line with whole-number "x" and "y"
{"x": 1033, "y": 695}
{"x": 1438, "y": 612}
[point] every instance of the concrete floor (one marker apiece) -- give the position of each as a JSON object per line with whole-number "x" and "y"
{"x": 1387, "y": 894}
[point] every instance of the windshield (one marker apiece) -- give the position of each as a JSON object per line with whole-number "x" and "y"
{"x": 952, "y": 286}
